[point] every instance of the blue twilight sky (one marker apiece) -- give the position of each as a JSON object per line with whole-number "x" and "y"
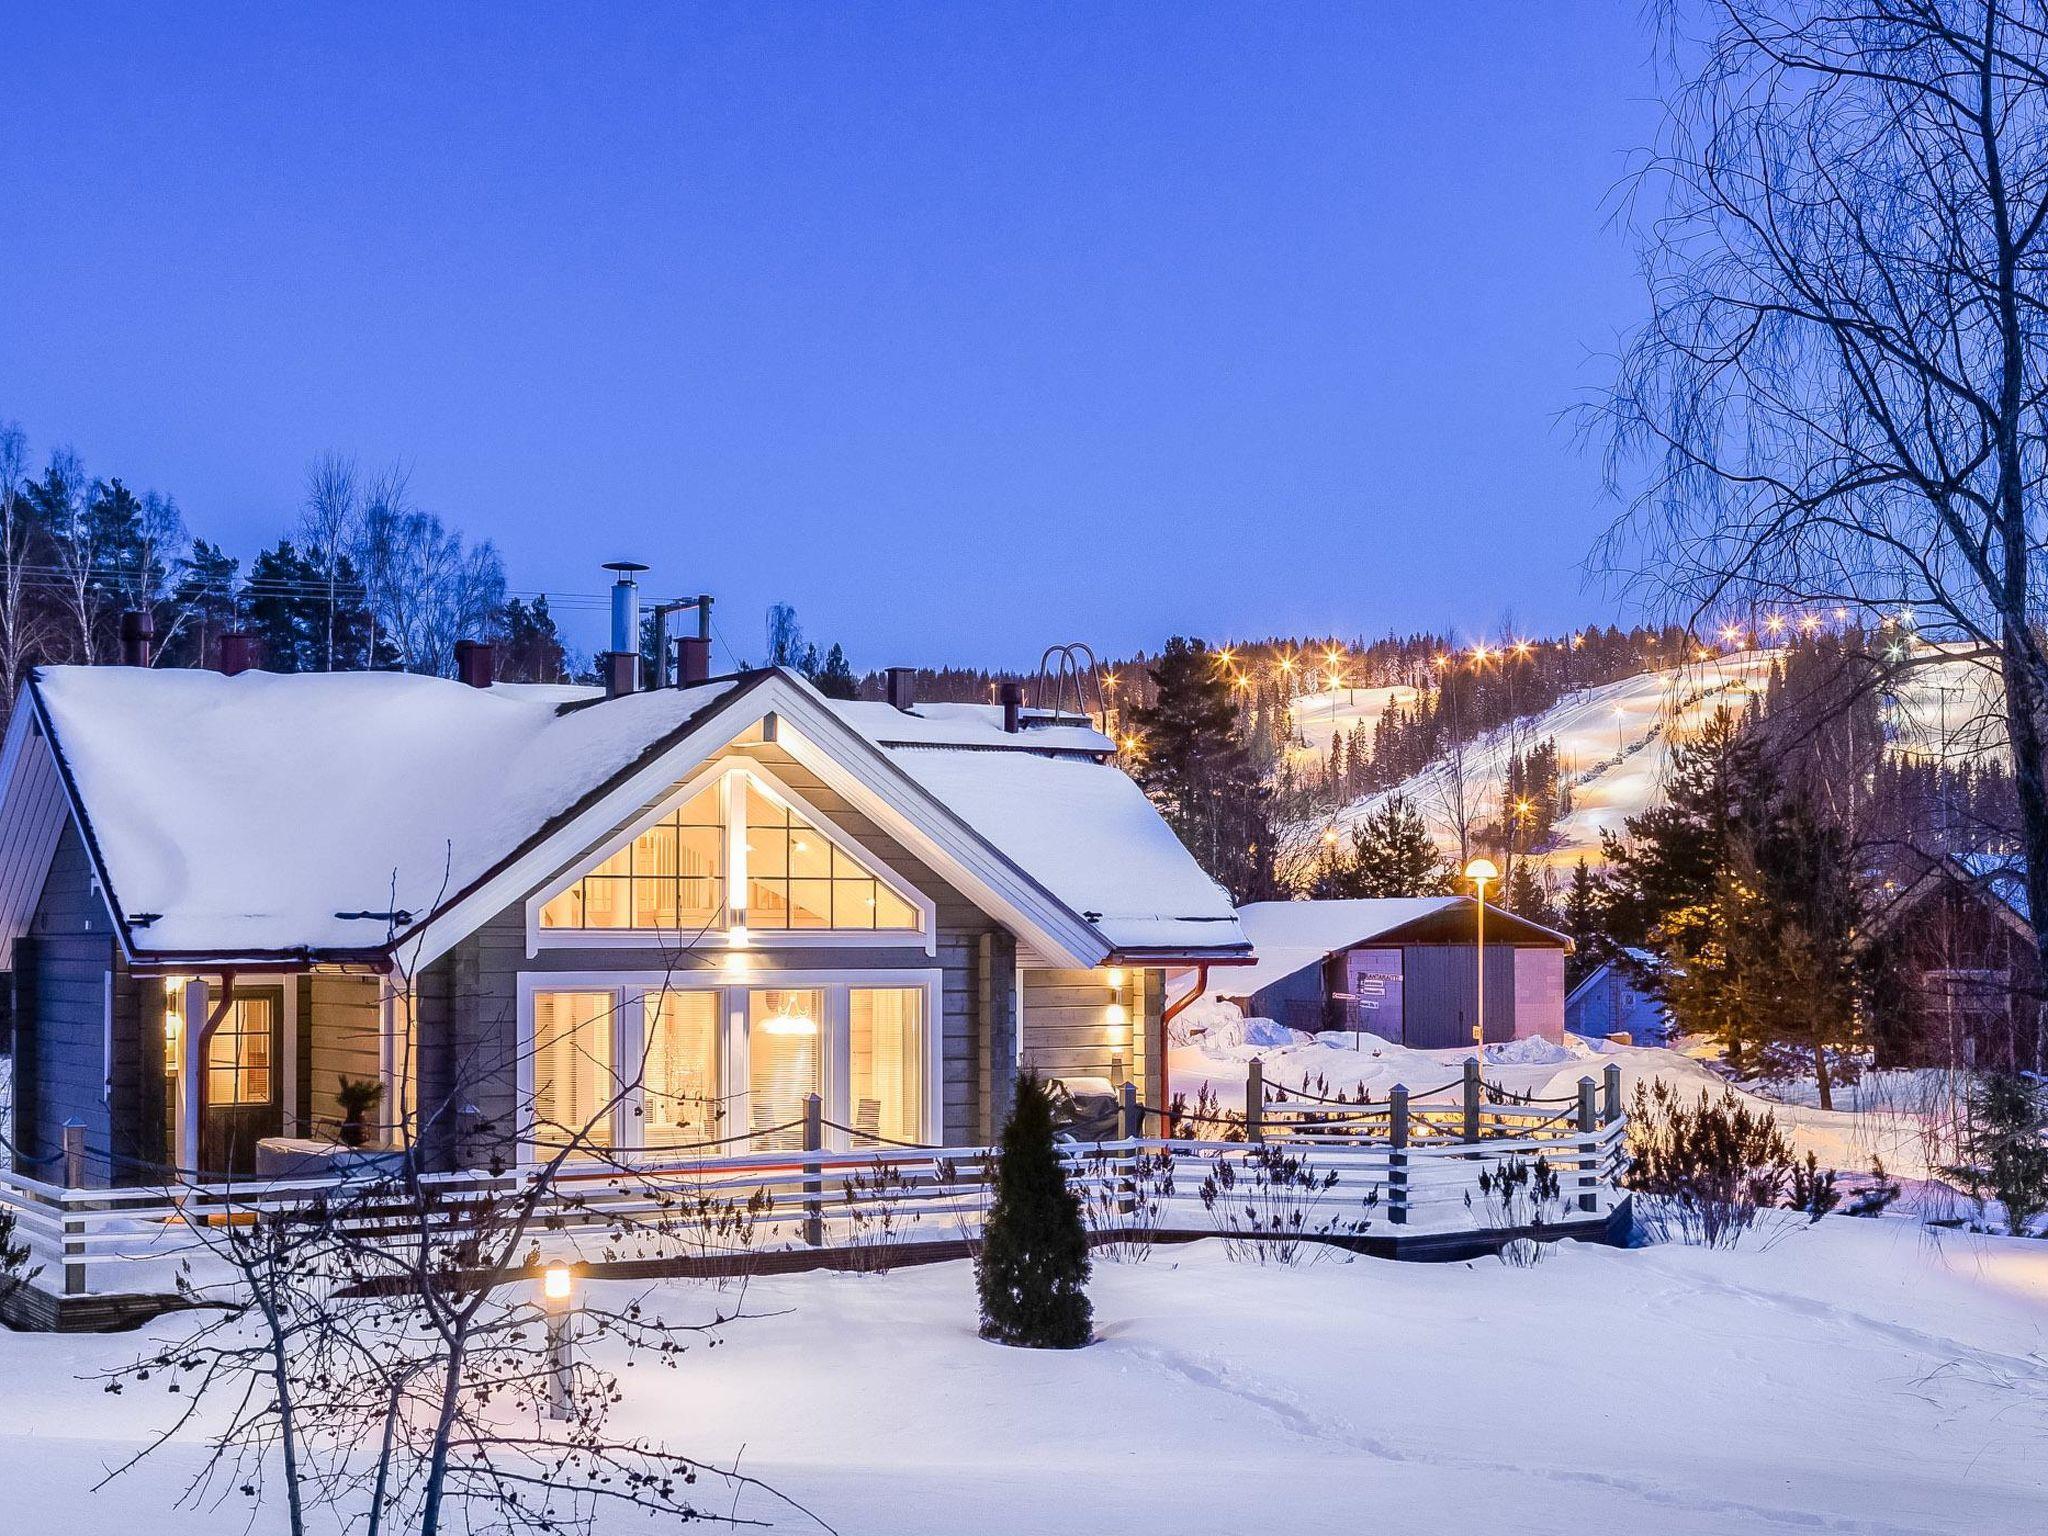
{"x": 965, "y": 328}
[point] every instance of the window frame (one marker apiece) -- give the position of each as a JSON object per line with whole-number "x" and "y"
{"x": 731, "y": 779}
{"x": 628, "y": 1013}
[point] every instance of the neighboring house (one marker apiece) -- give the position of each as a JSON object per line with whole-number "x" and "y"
{"x": 1609, "y": 1002}
{"x": 1963, "y": 949}
{"x": 1404, "y": 969}
{"x": 514, "y": 905}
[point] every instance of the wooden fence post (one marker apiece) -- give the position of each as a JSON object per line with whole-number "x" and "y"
{"x": 1397, "y": 1155}
{"x": 1610, "y": 1101}
{"x": 1589, "y": 1126}
{"x": 1255, "y": 1100}
{"x": 74, "y": 1227}
{"x": 1134, "y": 1128}
{"x": 814, "y": 1184}
{"x": 1472, "y": 1099}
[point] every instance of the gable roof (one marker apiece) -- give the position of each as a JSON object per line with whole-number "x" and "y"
{"x": 1289, "y": 936}
{"x": 1999, "y": 880}
{"x": 248, "y": 816}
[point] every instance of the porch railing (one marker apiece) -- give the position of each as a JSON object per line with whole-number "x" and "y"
{"x": 1416, "y": 1166}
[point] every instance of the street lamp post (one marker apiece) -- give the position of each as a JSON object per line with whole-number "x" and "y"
{"x": 1479, "y": 871}
{"x": 557, "y": 1297}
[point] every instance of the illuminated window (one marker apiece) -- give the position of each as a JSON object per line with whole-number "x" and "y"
{"x": 573, "y": 1082}
{"x": 239, "y": 1061}
{"x": 671, "y": 876}
{"x": 799, "y": 878}
{"x": 885, "y": 1061}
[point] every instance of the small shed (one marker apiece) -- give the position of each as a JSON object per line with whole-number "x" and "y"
{"x": 1405, "y": 969}
{"x": 1611, "y": 1002}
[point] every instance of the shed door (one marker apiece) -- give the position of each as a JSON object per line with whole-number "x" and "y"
{"x": 241, "y": 1082}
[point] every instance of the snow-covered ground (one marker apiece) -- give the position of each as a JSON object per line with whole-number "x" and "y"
{"x": 1614, "y": 741}
{"x": 1863, "y": 1376}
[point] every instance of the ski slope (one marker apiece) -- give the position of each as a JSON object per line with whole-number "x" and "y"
{"x": 1614, "y": 742}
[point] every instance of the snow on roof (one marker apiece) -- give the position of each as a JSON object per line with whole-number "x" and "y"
{"x": 971, "y": 725}
{"x": 248, "y": 811}
{"x": 1086, "y": 833}
{"x": 1288, "y": 935}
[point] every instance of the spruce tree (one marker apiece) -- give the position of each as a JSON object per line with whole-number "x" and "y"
{"x": 1034, "y": 1250}
{"x": 2006, "y": 1156}
{"x": 834, "y": 677}
{"x": 1583, "y": 923}
{"x": 1390, "y": 854}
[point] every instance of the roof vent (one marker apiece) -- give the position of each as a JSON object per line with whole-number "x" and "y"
{"x": 1013, "y": 707}
{"x": 903, "y": 688}
{"x": 476, "y": 662}
{"x": 239, "y": 652}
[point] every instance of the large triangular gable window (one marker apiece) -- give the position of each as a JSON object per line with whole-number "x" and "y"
{"x": 676, "y": 875}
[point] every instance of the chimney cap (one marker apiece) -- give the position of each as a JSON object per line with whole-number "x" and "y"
{"x": 624, "y": 567}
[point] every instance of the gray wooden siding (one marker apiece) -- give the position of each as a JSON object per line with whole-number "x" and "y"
{"x": 33, "y": 820}
{"x": 468, "y": 1006}
{"x": 1067, "y": 1032}
{"x": 74, "y": 1061}
{"x": 339, "y": 1028}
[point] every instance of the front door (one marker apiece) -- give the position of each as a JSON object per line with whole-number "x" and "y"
{"x": 242, "y": 1102}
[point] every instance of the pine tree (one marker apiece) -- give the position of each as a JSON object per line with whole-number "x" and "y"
{"x": 834, "y": 677}
{"x": 284, "y": 606}
{"x": 202, "y": 607}
{"x": 1200, "y": 774}
{"x": 1033, "y": 1264}
{"x": 532, "y": 646}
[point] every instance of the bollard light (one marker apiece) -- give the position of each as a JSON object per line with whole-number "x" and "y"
{"x": 557, "y": 1289}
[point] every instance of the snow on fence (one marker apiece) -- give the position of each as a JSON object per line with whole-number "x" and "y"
{"x": 1413, "y": 1168}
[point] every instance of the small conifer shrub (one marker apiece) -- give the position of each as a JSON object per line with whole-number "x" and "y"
{"x": 1033, "y": 1264}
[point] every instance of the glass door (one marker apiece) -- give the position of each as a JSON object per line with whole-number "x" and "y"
{"x": 679, "y": 1069}
{"x": 574, "y": 1084}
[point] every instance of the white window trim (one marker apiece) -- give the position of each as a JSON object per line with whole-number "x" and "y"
{"x": 630, "y": 986}
{"x": 727, "y": 774}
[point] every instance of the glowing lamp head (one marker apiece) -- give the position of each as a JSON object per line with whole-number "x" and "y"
{"x": 1117, "y": 1015}
{"x": 555, "y": 1282}
{"x": 1479, "y": 871}
{"x": 792, "y": 1022}
{"x": 1115, "y": 977}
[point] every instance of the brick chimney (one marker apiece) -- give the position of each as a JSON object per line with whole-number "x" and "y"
{"x": 476, "y": 662}
{"x": 240, "y": 652}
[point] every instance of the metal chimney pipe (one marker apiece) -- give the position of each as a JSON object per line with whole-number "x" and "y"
{"x": 1013, "y": 707}
{"x": 476, "y": 662}
{"x": 138, "y": 630}
{"x": 239, "y": 652}
{"x": 622, "y": 663}
{"x": 903, "y": 688}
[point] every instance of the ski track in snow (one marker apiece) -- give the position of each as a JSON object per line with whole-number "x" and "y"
{"x": 1289, "y": 1410}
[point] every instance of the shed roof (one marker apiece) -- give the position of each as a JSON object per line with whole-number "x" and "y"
{"x": 1289, "y": 936}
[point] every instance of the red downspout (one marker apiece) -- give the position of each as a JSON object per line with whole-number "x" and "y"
{"x": 1166, "y": 1017}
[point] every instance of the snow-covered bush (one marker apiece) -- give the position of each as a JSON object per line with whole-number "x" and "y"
{"x": 875, "y": 1220}
{"x": 1520, "y": 1193}
{"x": 1266, "y": 1203}
{"x": 1125, "y": 1194}
{"x": 1702, "y": 1171}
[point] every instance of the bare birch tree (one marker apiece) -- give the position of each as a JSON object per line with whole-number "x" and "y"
{"x": 21, "y": 620}
{"x": 330, "y": 520}
{"x": 1839, "y": 395}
